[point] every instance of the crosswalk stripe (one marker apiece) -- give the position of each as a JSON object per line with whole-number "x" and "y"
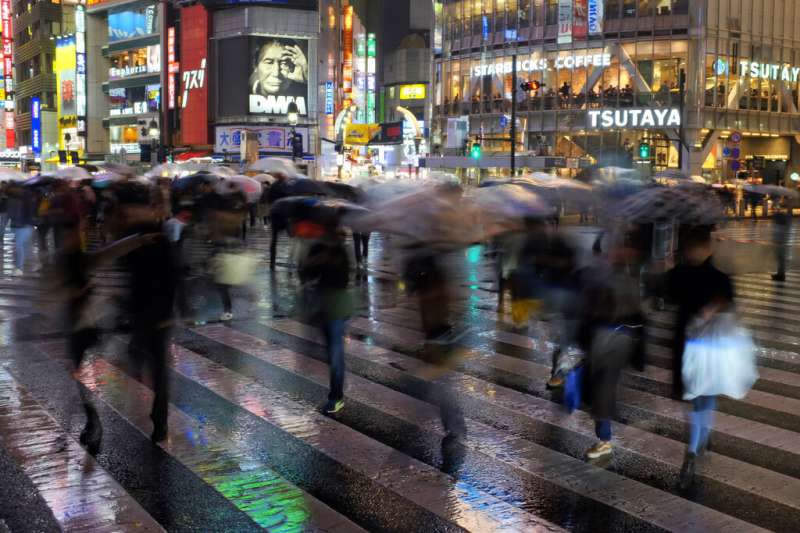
{"x": 76, "y": 489}
{"x": 569, "y": 473}
{"x": 514, "y": 409}
{"x": 409, "y": 478}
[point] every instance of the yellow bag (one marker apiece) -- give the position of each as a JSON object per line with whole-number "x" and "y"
{"x": 233, "y": 269}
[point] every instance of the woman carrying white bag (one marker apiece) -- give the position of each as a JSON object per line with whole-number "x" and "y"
{"x": 719, "y": 356}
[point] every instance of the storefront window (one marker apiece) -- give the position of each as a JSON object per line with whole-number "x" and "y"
{"x": 680, "y": 7}
{"x": 500, "y": 15}
{"x": 524, "y": 13}
{"x": 629, "y": 8}
{"x": 612, "y": 9}
{"x": 646, "y": 8}
{"x": 663, "y": 7}
{"x": 551, "y": 17}
{"x": 134, "y": 100}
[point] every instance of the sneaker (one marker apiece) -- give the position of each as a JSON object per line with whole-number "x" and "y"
{"x": 687, "y": 471}
{"x": 333, "y": 407}
{"x": 18, "y": 272}
{"x": 226, "y": 317}
{"x": 555, "y": 382}
{"x": 197, "y": 323}
{"x": 599, "y": 450}
{"x": 778, "y": 277}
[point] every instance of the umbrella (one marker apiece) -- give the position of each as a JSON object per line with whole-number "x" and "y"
{"x": 120, "y": 169}
{"x": 771, "y": 190}
{"x": 222, "y": 171}
{"x": 250, "y": 187}
{"x": 194, "y": 181}
{"x": 295, "y": 187}
{"x": 425, "y": 216}
{"x": 553, "y": 186}
{"x": 343, "y": 191}
{"x": 12, "y": 174}
{"x": 166, "y": 170}
{"x": 275, "y": 165}
{"x": 686, "y": 206}
{"x": 609, "y": 175}
{"x": 40, "y": 180}
{"x": 671, "y": 174}
{"x": 328, "y": 211}
{"x": 378, "y": 192}
{"x": 264, "y": 178}
{"x": 509, "y": 203}
{"x": 73, "y": 173}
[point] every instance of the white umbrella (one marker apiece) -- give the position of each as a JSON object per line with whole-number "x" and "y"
{"x": 275, "y": 165}
{"x": 166, "y": 170}
{"x": 221, "y": 170}
{"x": 73, "y": 173}
{"x": 771, "y": 190}
{"x": 12, "y": 174}
{"x": 251, "y": 188}
{"x": 264, "y": 178}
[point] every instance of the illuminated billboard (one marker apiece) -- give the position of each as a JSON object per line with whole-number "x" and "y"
{"x": 193, "y": 88}
{"x": 132, "y": 22}
{"x": 278, "y": 75}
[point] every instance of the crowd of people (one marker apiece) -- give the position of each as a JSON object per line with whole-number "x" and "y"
{"x": 588, "y": 313}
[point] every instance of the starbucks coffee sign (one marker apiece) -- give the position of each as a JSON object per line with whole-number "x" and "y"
{"x": 569, "y": 62}
{"x": 634, "y": 118}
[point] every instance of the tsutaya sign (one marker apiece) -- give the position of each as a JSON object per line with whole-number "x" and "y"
{"x": 634, "y": 118}
{"x": 770, "y": 71}
{"x": 532, "y": 65}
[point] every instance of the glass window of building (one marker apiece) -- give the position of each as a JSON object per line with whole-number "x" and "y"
{"x": 629, "y": 8}
{"x": 500, "y": 15}
{"x": 551, "y": 17}
{"x": 612, "y": 9}
{"x": 524, "y": 13}
{"x": 680, "y": 7}
{"x": 646, "y": 8}
{"x": 663, "y": 7}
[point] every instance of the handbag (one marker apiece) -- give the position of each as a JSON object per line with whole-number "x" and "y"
{"x": 719, "y": 358}
{"x": 233, "y": 269}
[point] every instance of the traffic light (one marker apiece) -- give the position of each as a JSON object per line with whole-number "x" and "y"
{"x": 644, "y": 150}
{"x": 475, "y": 151}
{"x": 529, "y": 86}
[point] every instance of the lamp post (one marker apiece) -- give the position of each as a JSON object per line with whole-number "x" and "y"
{"x": 153, "y": 132}
{"x": 292, "y": 115}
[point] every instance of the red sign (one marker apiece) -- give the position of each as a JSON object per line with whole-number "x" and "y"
{"x": 347, "y": 50}
{"x": 172, "y": 68}
{"x": 580, "y": 19}
{"x": 8, "y": 69}
{"x": 193, "y": 83}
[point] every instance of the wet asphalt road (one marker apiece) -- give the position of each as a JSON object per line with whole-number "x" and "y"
{"x": 247, "y": 449}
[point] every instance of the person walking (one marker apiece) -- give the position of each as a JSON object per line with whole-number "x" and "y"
{"x": 325, "y": 273}
{"x": 782, "y": 227}
{"x": 22, "y": 214}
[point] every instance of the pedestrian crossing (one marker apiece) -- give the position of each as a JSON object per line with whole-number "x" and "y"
{"x": 248, "y": 450}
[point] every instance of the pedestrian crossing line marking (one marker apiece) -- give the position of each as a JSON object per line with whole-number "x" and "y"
{"x": 410, "y": 479}
{"x": 732, "y": 473}
{"x": 566, "y": 472}
{"x": 75, "y": 488}
{"x": 238, "y": 475}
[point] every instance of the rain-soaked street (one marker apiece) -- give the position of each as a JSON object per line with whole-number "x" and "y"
{"x": 248, "y": 449}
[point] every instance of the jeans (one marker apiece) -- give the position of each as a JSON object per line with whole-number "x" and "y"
{"x": 334, "y": 342}
{"x": 701, "y": 420}
{"x": 22, "y": 239}
{"x": 602, "y": 428}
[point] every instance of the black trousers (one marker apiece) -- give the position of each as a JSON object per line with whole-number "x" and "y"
{"x": 361, "y": 246}
{"x": 149, "y": 347}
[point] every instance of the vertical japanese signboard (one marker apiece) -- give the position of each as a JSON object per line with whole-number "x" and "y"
{"x": 8, "y": 69}
{"x": 347, "y": 49}
{"x": 564, "y": 21}
{"x": 173, "y": 68}
{"x": 372, "y": 53}
{"x": 80, "y": 65}
{"x": 36, "y": 126}
{"x": 595, "y": 17}
{"x": 194, "y": 91}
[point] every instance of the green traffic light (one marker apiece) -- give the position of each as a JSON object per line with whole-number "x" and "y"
{"x": 644, "y": 151}
{"x": 475, "y": 152}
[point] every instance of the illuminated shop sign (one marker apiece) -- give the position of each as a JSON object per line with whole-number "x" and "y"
{"x": 137, "y": 108}
{"x": 634, "y": 118}
{"x": 329, "y": 100}
{"x": 412, "y": 92}
{"x": 80, "y": 61}
{"x": 8, "y": 69}
{"x": 36, "y": 125}
{"x": 534, "y": 65}
{"x": 768, "y": 71}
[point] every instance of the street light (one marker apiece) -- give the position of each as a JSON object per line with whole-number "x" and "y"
{"x": 293, "y": 114}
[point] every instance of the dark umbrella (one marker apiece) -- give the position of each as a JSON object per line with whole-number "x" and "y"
{"x": 328, "y": 211}
{"x": 294, "y": 187}
{"x": 685, "y": 206}
{"x": 40, "y": 181}
{"x": 344, "y": 191}
{"x": 189, "y": 183}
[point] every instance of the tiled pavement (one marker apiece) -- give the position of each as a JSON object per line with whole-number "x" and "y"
{"x": 248, "y": 450}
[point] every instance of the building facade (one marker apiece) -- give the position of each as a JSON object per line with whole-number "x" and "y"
{"x": 710, "y": 86}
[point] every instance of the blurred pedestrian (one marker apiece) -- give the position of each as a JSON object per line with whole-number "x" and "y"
{"x": 692, "y": 285}
{"x": 152, "y": 279}
{"x": 609, "y": 332}
{"x": 22, "y": 214}
{"x": 176, "y": 229}
{"x": 525, "y": 273}
{"x": 277, "y": 223}
{"x": 3, "y": 212}
{"x": 325, "y": 273}
{"x": 782, "y": 227}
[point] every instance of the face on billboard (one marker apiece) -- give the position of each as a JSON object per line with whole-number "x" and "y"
{"x": 278, "y": 75}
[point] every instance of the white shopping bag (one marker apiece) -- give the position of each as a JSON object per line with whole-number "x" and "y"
{"x": 719, "y": 359}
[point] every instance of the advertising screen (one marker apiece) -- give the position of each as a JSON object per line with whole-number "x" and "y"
{"x": 133, "y": 22}
{"x": 278, "y": 75}
{"x": 65, "y": 76}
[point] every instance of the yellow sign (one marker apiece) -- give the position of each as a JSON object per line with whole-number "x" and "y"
{"x": 412, "y": 92}
{"x": 360, "y": 133}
